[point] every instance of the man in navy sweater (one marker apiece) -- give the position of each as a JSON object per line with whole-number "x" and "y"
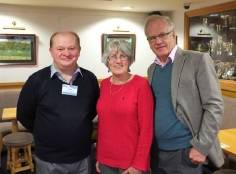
{"x": 57, "y": 104}
{"x": 188, "y": 103}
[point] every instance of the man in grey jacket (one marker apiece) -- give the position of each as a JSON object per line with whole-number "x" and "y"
{"x": 188, "y": 103}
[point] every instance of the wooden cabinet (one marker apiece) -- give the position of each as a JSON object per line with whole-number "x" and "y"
{"x": 213, "y": 30}
{"x": 228, "y": 88}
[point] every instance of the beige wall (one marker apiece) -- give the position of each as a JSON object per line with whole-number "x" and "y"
{"x": 89, "y": 25}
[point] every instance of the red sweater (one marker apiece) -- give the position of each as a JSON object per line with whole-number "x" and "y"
{"x": 125, "y": 124}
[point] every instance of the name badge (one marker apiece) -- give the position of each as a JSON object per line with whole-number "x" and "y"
{"x": 69, "y": 90}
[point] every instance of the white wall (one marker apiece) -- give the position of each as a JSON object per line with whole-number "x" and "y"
{"x": 90, "y": 25}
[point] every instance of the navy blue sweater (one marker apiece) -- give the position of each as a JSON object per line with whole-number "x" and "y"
{"x": 61, "y": 124}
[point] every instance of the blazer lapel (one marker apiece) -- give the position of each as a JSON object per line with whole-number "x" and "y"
{"x": 176, "y": 74}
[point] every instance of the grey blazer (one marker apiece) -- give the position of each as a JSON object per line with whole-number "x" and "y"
{"x": 197, "y": 100}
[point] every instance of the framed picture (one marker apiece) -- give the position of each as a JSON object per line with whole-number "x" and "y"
{"x": 130, "y": 38}
{"x": 17, "y": 49}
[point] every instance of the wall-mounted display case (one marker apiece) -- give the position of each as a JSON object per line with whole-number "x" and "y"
{"x": 213, "y": 30}
{"x": 214, "y": 33}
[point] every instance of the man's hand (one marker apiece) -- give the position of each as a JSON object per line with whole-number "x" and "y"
{"x": 196, "y": 157}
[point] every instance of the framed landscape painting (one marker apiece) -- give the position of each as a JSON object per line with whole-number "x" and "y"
{"x": 17, "y": 49}
{"x": 130, "y": 38}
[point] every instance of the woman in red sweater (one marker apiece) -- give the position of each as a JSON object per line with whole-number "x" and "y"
{"x": 125, "y": 115}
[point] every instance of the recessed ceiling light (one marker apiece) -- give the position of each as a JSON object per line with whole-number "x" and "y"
{"x": 127, "y": 8}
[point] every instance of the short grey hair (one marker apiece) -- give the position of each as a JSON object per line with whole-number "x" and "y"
{"x": 118, "y": 45}
{"x": 154, "y": 18}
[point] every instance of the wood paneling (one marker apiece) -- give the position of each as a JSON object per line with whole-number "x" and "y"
{"x": 14, "y": 85}
{"x": 228, "y": 87}
{"x": 11, "y": 85}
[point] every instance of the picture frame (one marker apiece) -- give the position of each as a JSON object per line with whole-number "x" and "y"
{"x": 130, "y": 38}
{"x": 17, "y": 49}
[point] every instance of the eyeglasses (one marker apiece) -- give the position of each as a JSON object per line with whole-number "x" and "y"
{"x": 161, "y": 36}
{"x": 114, "y": 58}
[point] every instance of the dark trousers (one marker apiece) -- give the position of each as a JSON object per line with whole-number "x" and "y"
{"x": 112, "y": 170}
{"x": 80, "y": 167}
{"x": 109, "y": 170}
{"x": 174, "y": 162}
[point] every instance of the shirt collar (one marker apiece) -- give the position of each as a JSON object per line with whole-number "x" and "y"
{"x": 171, "y": 58}
{"x": 55, "y": 71}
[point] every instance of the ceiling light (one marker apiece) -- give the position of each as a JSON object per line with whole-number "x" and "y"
{"x": 127, "y": 8}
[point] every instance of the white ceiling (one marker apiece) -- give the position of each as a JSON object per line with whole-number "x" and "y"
{"x": 116, "y": 5}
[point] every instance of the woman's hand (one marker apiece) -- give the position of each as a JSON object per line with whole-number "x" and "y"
{"x": 97, "y": 167}
{"x": 132, "y": 170}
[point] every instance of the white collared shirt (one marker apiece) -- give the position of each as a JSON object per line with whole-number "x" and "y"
{"x": 55, "y": 71}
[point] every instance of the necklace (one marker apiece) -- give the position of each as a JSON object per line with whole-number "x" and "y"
{"x": 115, "y": 90}
{"x": 118, "y": 87}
